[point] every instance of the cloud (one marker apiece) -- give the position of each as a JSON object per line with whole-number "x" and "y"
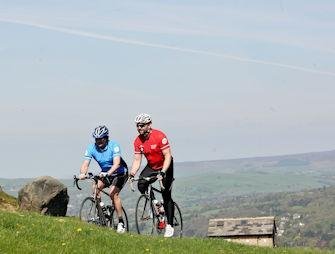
{"x": 167, "y": 47}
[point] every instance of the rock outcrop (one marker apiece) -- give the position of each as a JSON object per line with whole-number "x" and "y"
{"x": 46, "y": 195}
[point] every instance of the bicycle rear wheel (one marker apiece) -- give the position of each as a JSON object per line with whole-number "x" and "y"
{"x": 114, "y": 219}
{"x": 90, "y": 213}
{"x": 144, "y": 216}
{"x": 177, "y": 221}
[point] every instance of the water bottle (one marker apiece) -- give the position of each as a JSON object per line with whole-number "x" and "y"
{"x": 161, "y": 208}
{"x": 108, "y": 211}
{"x": 161, "y": 216}
{"x": 103, "y": 207}
{"x": 156, "y": 205}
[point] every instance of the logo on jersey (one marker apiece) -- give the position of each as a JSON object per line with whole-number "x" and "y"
{"x": 116, "y": 149}
{"x": 153, "y": 146}
{"x": 141, "y": 148}
{"x": 164, "y": 141}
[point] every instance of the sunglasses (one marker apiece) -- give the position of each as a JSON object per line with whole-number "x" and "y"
{"x": 100, "y": 140}
{"x": 141, "y": 125}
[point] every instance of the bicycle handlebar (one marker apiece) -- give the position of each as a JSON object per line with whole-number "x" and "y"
{"x": 88, "y": 176}
{"x": 148, "y": 178}
{"x": 75, "y": 182}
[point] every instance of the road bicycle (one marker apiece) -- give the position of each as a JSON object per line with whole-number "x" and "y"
{"x": 150, "y": 216}
{"x": 92, "y": 210}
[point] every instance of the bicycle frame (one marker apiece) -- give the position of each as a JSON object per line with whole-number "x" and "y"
{"x": 151, "y": 190}
{"x": 103, "y": 219}
{"x": 149, "y": 178}
{"x": 147, "y": 213}
{"x": 94, "y": 198}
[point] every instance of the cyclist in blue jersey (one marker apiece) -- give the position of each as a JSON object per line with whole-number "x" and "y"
{"x": 114, "y": 170}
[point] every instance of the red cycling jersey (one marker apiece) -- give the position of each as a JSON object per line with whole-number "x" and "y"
{"x": 152, "y": 147}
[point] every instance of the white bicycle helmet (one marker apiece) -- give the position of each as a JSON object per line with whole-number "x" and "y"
{"x": 100, "y": 132}
{"x": 143, "y": 118}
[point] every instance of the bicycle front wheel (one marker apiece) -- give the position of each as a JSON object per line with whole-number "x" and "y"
{"x": 144, "y": 216}
{"x": 89, "y": 212}
{"x": 114, "y": 219}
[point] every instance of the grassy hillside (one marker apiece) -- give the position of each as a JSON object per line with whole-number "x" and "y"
{"x": 7, "y": 202}
{"x": 33, "y": 233}
{"x": 304, "y": 218}
{"x": 208, "y": 189}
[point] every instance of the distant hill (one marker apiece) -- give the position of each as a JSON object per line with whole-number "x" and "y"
{"x": 206, "y": 179}
{"x": 257, "y": 175}
{"x": 314, "y": 160}
{"x": 316, "y": 167}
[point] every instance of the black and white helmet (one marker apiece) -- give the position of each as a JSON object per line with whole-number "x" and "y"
{"x": 100, "y": 132}
{"x": 143, "y": 118}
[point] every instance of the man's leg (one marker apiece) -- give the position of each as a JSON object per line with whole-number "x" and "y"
{"x": 114, "y": 194}
{"x": 117, "y": 184}
{"x": 100, "y": 186}
{"x": 168, "y": 202}
{"x": 167, "y": 197}
{"x": 143, "y": 184}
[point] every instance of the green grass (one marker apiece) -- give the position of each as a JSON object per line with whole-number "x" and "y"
{"x": 34, "y": 233}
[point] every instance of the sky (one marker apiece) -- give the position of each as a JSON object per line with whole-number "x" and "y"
{"x": 223, "y": 79}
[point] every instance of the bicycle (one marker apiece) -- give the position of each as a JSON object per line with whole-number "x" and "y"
{"x": 148, "y": 217}
{"x": 91, "y": 210}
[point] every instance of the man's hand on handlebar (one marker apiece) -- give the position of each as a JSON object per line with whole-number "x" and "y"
{"x": 106, "y": 178}
{"x": 161, "y": 175}
{"x": 82, "y": 176}
{"x": 131, "y": 177}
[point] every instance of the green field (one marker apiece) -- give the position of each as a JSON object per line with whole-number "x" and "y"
{"x": 33, "y": 233}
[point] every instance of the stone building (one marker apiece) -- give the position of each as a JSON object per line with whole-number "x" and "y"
{"x": 258, "y": 231}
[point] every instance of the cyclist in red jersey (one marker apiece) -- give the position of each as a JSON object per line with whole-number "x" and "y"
{"x": 154, "y": 145}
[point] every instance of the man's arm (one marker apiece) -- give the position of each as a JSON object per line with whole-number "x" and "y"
{"x": 84, "y": 169}
{"x": 167, "y": 159}
{"x": 115, "y": 166}
{"x": 136, "y": 164}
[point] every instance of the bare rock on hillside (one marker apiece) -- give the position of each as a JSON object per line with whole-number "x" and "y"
{"x": 46, "y": 195}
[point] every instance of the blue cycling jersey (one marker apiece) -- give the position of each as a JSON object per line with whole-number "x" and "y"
{"x": 105, "y": 157}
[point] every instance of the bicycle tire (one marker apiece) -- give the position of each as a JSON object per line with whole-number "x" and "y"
{"x": 177, "y": 221}
{"x": 144, "y": 216}
{"x": 91, "y": 213}
{"x": 113, "y": 220}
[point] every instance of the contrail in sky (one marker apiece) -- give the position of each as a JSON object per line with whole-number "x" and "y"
{"x": 163, "y": 46}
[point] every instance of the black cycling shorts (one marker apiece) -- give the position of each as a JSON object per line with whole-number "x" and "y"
{"x": 117, "y": 180}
